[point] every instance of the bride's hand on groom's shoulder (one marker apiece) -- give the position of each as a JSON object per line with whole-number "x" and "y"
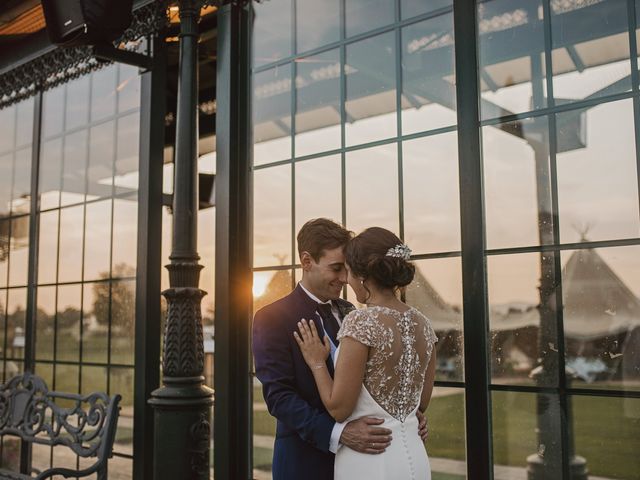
{"x": 314, "y": 351}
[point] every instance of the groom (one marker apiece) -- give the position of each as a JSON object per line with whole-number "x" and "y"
{"x": 306, "y": 436}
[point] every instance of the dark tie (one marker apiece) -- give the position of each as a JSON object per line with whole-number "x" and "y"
{"x": 329, "y": 321}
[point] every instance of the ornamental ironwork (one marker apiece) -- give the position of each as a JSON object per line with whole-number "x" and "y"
{"x": 65, "y": 64}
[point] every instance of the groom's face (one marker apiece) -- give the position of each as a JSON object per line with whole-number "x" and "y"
{"x": 326, "y": 277}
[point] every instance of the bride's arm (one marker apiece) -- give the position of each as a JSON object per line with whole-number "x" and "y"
{"x": 429, "y": 378}
{"x": 339, "y": 396}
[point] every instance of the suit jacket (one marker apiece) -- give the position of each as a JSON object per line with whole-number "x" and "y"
{"x": 304, "y": 427}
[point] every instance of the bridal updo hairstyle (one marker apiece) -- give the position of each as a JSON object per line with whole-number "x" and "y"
{"x": 366, "y": 255}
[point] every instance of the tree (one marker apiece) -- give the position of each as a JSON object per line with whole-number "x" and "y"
{"x": 115, "y": 300}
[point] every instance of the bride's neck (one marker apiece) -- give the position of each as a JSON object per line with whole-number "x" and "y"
{"x": 383, "y": 298}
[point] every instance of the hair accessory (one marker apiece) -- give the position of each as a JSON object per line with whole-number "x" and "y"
{"x": 399, "y": 251}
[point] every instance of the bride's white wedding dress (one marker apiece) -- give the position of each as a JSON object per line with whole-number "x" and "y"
{"x": 400, "y": 348}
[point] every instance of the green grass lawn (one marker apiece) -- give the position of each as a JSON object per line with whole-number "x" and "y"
{"x": 606, "y": 431}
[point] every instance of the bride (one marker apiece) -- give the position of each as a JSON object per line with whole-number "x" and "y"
{"x": 385, "y": 364}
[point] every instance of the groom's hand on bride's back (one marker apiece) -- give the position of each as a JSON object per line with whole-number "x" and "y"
{"x": 364, "y": 435}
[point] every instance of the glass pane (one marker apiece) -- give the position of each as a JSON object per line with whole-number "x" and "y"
{"x": 605, "y": 432}
{"x": 120, "y": 467}
{"x": 94, "y": 379}
{"x": 128, "y": 88}
{"x": 123, "y": 311}
{"x": 53, "y": 111}
{"x": 431, "y": 193}
{"x": 446, "y": 443}
{"x": 590, "y": 49}
{"x": 8, "y": 132}
{"x": 50, "y": 175}
{"x": 40, "y": 456}
{"x": 97, "y": 244}
{"x": 372, "y": 188}
{"x": 517, "y": 183}
{"x": 66, "y": 380}
{"x": 10, "y": 458}
{"x": 95, "y": 321}
{"x": 125, "y": 233}
{"x": 523, "y": 319}
{"x": 272, "y": 115}
{"x": 318, "y": 103}
{"x": 597, "y": 173}
{"x": 601, "y": 297}
{"x": 48, "y": 247}
{"x": 270, "y": 286}
{"x": 272, "y": 216}
{"x": 19, "y": 251}
{"x": 428, "y": 75}
{"x": 411, "y": 8}
{"x": 77, "y": 103}
{"x": 16, "y": 317}
{"x": 317, "y": 23}
{"x": 71, "y": 229}
{"x": 21, "y": 195}
{"x": 74, "y": 169}
{"x": 511, "y": 56}
{"x": 127, "y": 154}
{"x": 103, "y": 92}
{"x": 45, "y": 371}
{"x": 271, "y": 31}
{"x": 5, "y": 229}
{"x": 365, "y": 15}
{"x": 121, "y": 381}
{"x": 516, "y": 419}
{"x": 318, "y": 190}
{"x": 371, "y": 90}
{"x": 44, "y": 327}
{"x": 100, "y": 169}
{"x": 24, "y": 122}
{"x": 6, "y": 176}
{"x": 264, "y": 432}
{"x": 437, "y": 292}
{"x": 3, "y": 318}
{"x": 68, "y": 323}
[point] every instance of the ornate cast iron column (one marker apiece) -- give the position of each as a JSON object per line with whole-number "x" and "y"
{"x": 183, "y": 404}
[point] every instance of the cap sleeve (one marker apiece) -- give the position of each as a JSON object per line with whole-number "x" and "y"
{"x": 364, "y": 328}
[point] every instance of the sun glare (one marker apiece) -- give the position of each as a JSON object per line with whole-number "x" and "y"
{"x": 260, "y": 282}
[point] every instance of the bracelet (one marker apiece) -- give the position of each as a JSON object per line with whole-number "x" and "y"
{"x": 318, "y": 366}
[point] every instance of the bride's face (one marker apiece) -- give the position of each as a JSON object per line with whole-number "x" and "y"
{"x": 357, "y": 285}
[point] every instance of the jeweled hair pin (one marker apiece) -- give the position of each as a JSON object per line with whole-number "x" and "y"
{"x": 399, "y": 251}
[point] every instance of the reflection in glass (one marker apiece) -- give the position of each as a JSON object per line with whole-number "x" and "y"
{"x": 605, "y": 433}
{"x": 121, "y": 381}
{"x": 50, "y": 174}
{"x": 411, "y": 8}
{"x": 8, "y": 131}
{"x": 317, "y": 23}
{"x": 21, "y": 195}
{"x": 77, "y": 104}
{"x": 68, "y": 319}
{"x": 436, "y": 291}
{"x": 517, "y": 183}
{"x": 365, "y": 15}
{"x": 48, "y": 247}
{"x": 597, "y": 177}
{"x": 71, "y": 229}
{"x": 126, "y": 168}
{"x": 601, "y": 299}
{"x": 123, "y": 309}
{"x": 318, "y": 103}
{"x": 269, "y": 286}
{"x": 94, "y": 379}
{"x": 103, "y": 92}
{"x": 372, "y": 188}
{"x": 95, "y": 322}
{"x": 3, "y": 319}
{"x": 45, "y": 322}
{"x": 128, "y": 88}
{"x": 511, "y": 57}
{"x": 19, "y": 251}
{"x": 318, "y": 190}
{"x": 125, "y": 232}
{"x": 590, "y": 54}
{"x": 428, "y": 75}
{"x": 97, "y": 244}
{"x": 431, "y": 193}
{"x": 16, "y": 318}
{"x": 271, "y": 31}
{"x": 516, "y": 416}
{"x": 272, "y": 216}
{"x": 74, "y": 168}
{"x": 100, "y": 168}
{"x": 53, "y": 111}
{"x": 6, "y": 175}
{"x": 272, "y": 115}
{"x": 66, "y": 379}
{"x": 5, "y": 229}
{"x": 24, "y": 122}
{"x": 264, "y": 432}
{"x": 447, "y": 433}
{"x": 371, "y": 89}
{"x": 523, "y": 334}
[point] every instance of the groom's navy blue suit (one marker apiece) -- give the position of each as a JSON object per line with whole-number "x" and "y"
{"x": 304, "y": 427}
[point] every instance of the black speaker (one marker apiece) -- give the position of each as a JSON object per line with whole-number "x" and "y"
{"x": 86, "y": 22}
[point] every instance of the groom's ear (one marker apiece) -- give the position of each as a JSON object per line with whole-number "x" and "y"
{"x": 306, "y": 261}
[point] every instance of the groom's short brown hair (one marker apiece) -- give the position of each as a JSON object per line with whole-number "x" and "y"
{"x": 321, "y": 234}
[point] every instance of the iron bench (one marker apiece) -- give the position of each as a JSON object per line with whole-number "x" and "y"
{"x": 85, "y": 424}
